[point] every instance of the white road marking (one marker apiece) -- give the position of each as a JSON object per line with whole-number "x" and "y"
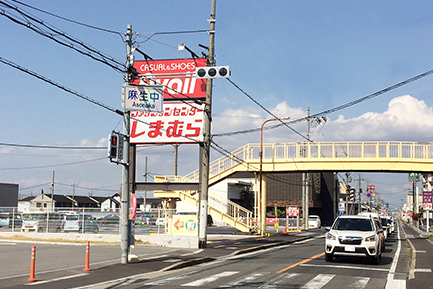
{"x": 244, "y": 281}
{"x": 392, "y": 283}
{"x": 209, "y": 279}
{"x": 423, "y": 270}
{"x": 359, "y": 282}
{"x": 195, "y": 252}
{"x": 275, "y": 283}
{"x": 318, "y": 282}
{"x": 56, "y": 279}
{"x": 346, "y": 267}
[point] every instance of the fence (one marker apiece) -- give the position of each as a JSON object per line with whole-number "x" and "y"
{"x": 80, "y": 220}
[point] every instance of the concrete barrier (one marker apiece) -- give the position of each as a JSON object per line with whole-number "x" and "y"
{"x": 163, "y": 240}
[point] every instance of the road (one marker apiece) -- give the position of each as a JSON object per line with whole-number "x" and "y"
{"x": 299, "y": 265}
{"x": 295, "y": 265}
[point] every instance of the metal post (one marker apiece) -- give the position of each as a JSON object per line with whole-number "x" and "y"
{"x": 124, "y": 208}
{"x": 205, "y": 147}
{"x": 176, "y": 155}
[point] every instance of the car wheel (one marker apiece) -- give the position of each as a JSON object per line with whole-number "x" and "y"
{"x": 376, "y": 259}
{"x": 328, "y": 257}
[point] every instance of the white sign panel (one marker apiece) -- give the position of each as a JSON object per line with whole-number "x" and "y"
{"x": 142, "y": 98}
{"x": 179, "y": 122}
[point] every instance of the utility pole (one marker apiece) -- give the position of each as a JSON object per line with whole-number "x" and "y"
{"x": 307, "y": 176}
{"x": 125, "y": 228}
{"x": 205, "y": 146}
{"x": 359, "y": 194}
{"x": 145, "y": 180}
{"x": 176, "y": 155}
{"x": 347, "y": 193}
{"x": 52, "y": 194}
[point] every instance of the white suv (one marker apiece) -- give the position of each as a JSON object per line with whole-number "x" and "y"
{"x": 353, "y": 236}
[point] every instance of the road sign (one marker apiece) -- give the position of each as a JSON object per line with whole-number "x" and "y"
{"x": 143, "y": 98}
{"x": 184, "y": 224}
{"x": 341, "y": 207}
{"x": 368, "y": 195}
{"x": 371, "y": 187}
{"x": 292, "y": 211}
{"x": 427, "y": 200}
{"x": 413, "y": 177}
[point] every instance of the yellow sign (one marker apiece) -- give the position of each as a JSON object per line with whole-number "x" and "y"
{"x": 185, "y": 224}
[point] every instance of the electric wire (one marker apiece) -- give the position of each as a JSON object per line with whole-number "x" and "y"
{"x": 51, "y": 166}
{"x": 332, "y": 110}
{"x": 51, "y": 147}
{"x": 55, "y": 34}
{"x": 70, "y": 20}
{"x": 62, "y": 87}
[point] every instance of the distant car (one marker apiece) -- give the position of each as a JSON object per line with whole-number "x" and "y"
{"x": 109, "y": 223}
{"x": 10, "y": 219}
{"x": 41, "y": 222}
{"x": 160, "y": 222}
{"x": 353, "y": 235}
{"x": 79, "y": 222}
{"x": 144, "y": 218}
{"x": 381, "y": 233}
{"x": 314, "y": 221}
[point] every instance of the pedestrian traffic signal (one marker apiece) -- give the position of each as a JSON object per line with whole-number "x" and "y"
{"x": 113, "y": 141}
{"x": 212, "y": 72}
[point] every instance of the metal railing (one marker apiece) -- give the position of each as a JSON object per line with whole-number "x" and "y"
{"x": 324, "y": 151}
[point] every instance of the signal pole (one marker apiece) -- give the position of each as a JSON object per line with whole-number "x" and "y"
{"x": 205, "y": 147}
{"x": 125, "y": 228}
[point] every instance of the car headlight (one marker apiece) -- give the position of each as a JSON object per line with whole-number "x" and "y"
{"x": 330, "y": 237}
{"x": 370, "y": 239}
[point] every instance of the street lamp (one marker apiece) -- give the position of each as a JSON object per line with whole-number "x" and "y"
{"x": 262, "y": 195}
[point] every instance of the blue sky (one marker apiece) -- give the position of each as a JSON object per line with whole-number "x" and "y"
{"x": 288, "y": 55}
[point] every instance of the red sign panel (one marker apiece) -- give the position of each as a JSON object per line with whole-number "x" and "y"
{"x": 178, "y": 123}
{"x": 176, "y": 75}
{"x": 371, "y": 187}
{"x": 292, "y": 211}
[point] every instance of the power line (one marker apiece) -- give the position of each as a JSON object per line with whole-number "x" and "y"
{"x": 56, "y": 34}
{"x": 70, "y": 20}
{"x": 16, "y": 66}
{"x": 256, "y": 102}
{"x": 332, "y": 110}
{"x": 51, "y": 166}
{"x": 52, "y": 147}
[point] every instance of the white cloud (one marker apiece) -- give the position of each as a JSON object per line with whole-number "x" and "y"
{"x": 406, "y": 119}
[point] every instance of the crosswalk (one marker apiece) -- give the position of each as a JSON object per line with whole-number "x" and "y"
{"x": 230, "y": 279}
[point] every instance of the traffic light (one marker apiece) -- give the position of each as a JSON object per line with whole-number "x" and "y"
{"x": 212, "y": 72}
{"x": 352, "y": 194}
{"x": 113, "y": 141}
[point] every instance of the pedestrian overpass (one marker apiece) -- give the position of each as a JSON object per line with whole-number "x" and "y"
{"x": 380, "y": 156}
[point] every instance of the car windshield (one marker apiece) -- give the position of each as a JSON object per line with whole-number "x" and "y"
{"x": 353, "y": 224}
{"x": 71, "y": 217}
